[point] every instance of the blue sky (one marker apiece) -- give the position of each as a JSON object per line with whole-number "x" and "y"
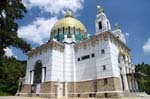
{"x": 133, "y": 16}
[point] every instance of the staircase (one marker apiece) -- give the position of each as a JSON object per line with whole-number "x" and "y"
{"x": 138, "y": 94}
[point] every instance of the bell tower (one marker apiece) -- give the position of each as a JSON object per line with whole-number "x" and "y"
{"x": 118, "y": 33}
{"x": 102, "y": 23}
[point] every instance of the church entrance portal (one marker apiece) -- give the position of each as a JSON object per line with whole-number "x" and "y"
{"x": 37, "y": 77}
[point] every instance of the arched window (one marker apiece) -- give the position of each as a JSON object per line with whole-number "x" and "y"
{"x": 58, "y": 31}
{"x": 63, "y": 30}
{"x": 100, "y": 25}
{"x": 79, "y": 31}
{"x": 74, "y": 30}
{"x": 69, "y": 30}
{"x": 37, "y": 72}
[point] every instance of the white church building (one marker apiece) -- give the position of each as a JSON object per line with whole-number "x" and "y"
{"x": 72, "y": 64}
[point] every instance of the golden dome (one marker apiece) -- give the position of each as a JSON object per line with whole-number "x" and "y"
{"x": 69, "y": 21}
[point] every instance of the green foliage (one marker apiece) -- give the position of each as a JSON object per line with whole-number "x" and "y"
{"x": 10, "y": 72}
{"x": 10, "y": 11}
{"x": 144, "y": 83}
{"x": 10, "y": 68}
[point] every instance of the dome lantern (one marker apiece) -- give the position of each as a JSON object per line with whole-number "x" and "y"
{"x": 69, "y": 14}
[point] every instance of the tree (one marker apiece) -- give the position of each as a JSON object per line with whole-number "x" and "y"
{"x": 10, "y": 11}
{"x": 145, "y": 82}
{"x": 11, "y": 70}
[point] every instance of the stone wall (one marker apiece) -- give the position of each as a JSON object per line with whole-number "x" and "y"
{"x": 26, "y": 88}
{"x": 86, "y": 86}
{"x": 48, "y": 87}
{"x": 111, "y": 85}
{"x": 93, "y": 88}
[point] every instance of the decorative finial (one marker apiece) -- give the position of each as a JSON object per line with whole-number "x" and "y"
{"x": 99, "y": 9}
{"x": 116, "y": 26}
{"x": 68, "y": 14}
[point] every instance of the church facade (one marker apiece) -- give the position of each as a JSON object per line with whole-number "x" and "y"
{"x": 72, "y": 64}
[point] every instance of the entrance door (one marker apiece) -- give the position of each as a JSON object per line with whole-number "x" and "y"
{"x": 35, "y": 88}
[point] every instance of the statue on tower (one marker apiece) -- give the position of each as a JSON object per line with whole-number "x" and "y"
{"x": 99, "y": 9}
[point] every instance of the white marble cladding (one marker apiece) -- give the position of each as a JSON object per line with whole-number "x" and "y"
{"x": 56, "y": 66}
{"x": 92, "y": 68}
{"x": 114, "y": 52}
{"x": 46, "y": 58}
{"x": 121, "y": 61}
{"x": 65, "y": 66}
{"x": 69, "y": 63}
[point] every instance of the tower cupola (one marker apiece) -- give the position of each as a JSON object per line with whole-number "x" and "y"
{"x": 102, "y": 23}
{"x": 118, "y": 33}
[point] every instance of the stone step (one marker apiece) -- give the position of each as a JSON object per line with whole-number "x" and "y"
{"x": 135, "y": 94}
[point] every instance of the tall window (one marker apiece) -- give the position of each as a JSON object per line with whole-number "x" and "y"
{"x": 37, "y": 72}
{"x": 63, "y": 30}
{"x": 85, "y": 57}
{"x": 93, "y": 55}
{"x": 119, "y": 60}
{"x": 104, "y": 67}
{"x": 102, "y": 51}
{"x": 74, "y": 30}
{"x": 107, "y": 25}
{"x": 100, "y": 25}
{"x": 105, "y": 81}
{"x": 78, "y": 59}
{"x": 58, "y": 31}
{"x": 69, "y": 30}
{"x": 30, "y": 76}
{"x": 79, "y": 30}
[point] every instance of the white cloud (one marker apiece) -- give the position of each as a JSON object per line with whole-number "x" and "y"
{"x": 38, "y": 31}
{"x": 9, "y": 52}
{"x": 126, "y": 34}
{"x": 146, "y": 46}
{"x": 55, "y": 6}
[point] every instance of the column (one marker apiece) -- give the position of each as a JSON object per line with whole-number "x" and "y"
{"x": 121, "y": 82}
{"x": 66, "y": 90}
{"x": 136, "y": 84}
{"x": 43, "y": 74}
{"x": 128, "y": 79}
{"x": 32, "y": 77}
{"x": 130, "y": 84}
{"x": 133, "y": 85}
{"x": 125, "y": 82}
